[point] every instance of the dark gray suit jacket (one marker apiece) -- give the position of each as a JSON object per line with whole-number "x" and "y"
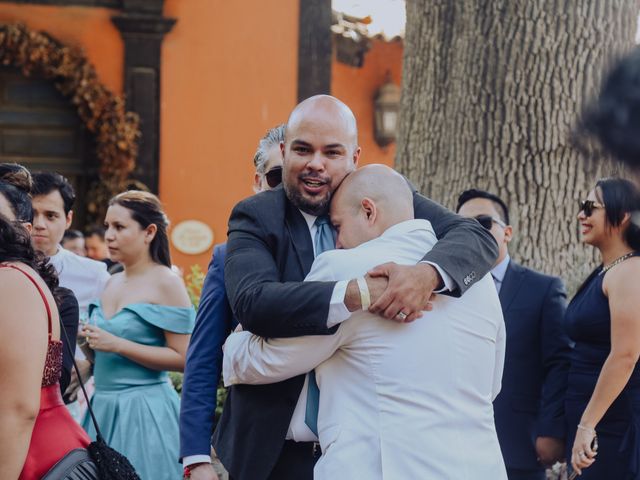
{"x": 269, "y": 253}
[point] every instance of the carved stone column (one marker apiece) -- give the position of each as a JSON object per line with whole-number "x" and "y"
{"x": 143, "y": 28}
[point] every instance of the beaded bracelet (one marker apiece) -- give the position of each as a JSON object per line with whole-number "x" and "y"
{"x": 587, "y": 429}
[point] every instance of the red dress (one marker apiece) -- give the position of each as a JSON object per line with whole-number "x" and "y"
{"x": 55, "y": 432}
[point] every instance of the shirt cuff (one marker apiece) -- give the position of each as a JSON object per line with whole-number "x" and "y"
{"x": 448, "y": 281}
{"x": 193, "y": 459}
{"x": 338, "y": 311}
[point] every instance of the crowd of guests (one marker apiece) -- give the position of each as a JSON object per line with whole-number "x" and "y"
{"x": 132, "y": 326}
{"x": 567, "y": 375}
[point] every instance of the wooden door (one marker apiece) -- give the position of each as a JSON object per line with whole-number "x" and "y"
{"x": 40, "y": 129}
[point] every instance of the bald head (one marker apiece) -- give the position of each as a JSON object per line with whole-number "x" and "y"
{"x": 320, "y": 148}
{"x": 321, "y": 109}
{"x": 368, "y": 202}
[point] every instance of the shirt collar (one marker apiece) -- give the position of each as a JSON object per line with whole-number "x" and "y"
{"x": 58, "y": 259}
{"x": 310, "y": 219}
{"x": 399, "y": 228}
{"x": 500, "y": 270}
{"x": 408, "y": 226}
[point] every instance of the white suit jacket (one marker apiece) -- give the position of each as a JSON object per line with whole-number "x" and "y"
{"x": 397, "y": 401}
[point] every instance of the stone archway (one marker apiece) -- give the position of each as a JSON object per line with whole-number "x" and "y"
{"x": 116, "y": 131}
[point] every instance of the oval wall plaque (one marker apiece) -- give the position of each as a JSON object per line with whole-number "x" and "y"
{"x": 192, "y": 237}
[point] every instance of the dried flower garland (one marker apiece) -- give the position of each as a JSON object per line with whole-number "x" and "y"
{"x": 103, "y": 113}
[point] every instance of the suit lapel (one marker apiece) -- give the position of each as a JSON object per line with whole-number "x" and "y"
{"x": 300, "y": 238}
{"x": 510, "y": 284}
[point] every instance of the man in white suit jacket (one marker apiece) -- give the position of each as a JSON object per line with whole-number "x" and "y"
{"x": 397, "y": 401}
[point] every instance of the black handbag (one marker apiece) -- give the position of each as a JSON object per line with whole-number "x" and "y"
{"x": 75, "y": 465}
{"x": 98, "y": 461}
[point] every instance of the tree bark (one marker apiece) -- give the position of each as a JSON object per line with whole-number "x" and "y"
{"x": 491, "y": 91}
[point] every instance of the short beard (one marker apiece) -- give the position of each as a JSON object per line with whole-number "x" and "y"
{"x": 316, "y": 209}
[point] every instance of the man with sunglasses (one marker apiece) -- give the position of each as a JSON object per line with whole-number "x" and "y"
{"x": 529, "y": 411}
{"x": 268, "y": 160}
{"x": 214, "y": 322}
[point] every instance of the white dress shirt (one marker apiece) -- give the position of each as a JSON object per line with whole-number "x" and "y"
{"x": 85, "y": 277}
{"x": 396, "y": 400}
{"x": 338, "y": 312}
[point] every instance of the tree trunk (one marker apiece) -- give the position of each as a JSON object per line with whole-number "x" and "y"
{"x": 491, "y": 91}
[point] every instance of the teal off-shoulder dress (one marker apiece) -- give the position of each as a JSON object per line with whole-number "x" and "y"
{"x": 136, "y": 408}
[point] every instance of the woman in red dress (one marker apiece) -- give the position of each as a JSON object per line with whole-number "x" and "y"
{"x": 36, "y": 429}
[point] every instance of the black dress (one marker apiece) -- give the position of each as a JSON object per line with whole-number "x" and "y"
{"x": 588, "y": 323}
{"x": 69, "y": 317}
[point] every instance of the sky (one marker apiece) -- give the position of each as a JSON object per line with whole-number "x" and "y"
{"x": 388, "y": 15}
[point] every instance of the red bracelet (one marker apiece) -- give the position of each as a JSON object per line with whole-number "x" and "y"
{"x": 187, "y": 470}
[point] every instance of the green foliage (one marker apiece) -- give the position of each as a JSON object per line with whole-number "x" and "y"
{"x": 194, "y": 281}
{"x": 221, "y": 396}
{"x": 176, "y": 381}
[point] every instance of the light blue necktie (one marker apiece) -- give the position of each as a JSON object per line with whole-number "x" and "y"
{"x": 497, "y": 282}
{"x": 324, "y": 240}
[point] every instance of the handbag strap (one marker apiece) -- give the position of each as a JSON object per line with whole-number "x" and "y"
{"x": 84, "y": 392}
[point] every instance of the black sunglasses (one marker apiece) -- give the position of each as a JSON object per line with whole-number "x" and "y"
{"x": 487, "y": 221}
{"x": 588, "y": 206}
{"x": 274, "y": 177}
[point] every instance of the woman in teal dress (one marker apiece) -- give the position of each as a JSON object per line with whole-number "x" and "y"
{"x": 137, "y": 331}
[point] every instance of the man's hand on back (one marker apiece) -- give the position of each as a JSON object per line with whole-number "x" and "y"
{"x": 376, "y": 288}
{"x": 410, "y": 290}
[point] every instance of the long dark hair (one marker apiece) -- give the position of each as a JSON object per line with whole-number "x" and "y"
{"x": 15, "y": 186}
{"x": 621, "y": 197}
{"x": 15, "y": 241}
{"x": 146, "y": 209}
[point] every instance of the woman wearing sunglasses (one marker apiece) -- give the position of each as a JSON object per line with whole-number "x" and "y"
{"x": 603, "y": 319}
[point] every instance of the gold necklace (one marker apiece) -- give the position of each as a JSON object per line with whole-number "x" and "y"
{"x": 616, "y": 262}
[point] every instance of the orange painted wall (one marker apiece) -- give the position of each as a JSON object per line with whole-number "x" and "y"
{"x": 229, "y": 73}
{"x": 85, "y": 27}
{"x": 357, "y": 88}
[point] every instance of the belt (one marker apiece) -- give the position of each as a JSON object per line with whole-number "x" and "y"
{"x": 311, "y": 448}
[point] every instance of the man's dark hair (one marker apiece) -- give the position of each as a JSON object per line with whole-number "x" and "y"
{"x": 472, "y": 193}
{"x": 46, "y": 182}
{"x": 96, "y": 230}
{"x": 72, "y": 235}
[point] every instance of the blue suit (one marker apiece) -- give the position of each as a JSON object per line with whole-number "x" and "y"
{"x": 214, "y": 322}
{"x": 530, "y": 404}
